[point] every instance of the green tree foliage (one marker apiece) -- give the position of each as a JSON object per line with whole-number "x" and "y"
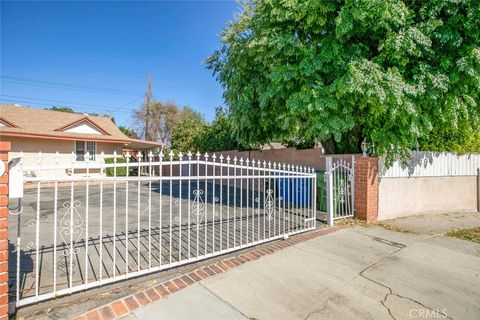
{"x": 218, "y": 136}
{"x": 128, "y": 132}
{"x": 388, "y": 71}
{"x": 61, "y": 109}
{"x": 183, "y": 132}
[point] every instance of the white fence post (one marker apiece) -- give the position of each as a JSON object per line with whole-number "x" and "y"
{"x": 330, "y": 194}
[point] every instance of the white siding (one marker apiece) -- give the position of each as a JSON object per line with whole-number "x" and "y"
{"x": 430, "y": 164}
{"x": 83, "y": 128}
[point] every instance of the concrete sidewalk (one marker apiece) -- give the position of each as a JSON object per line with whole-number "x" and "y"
{"x": 355, "y": 273}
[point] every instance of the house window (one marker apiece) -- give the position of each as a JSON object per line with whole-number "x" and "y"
{"x": 81, "y": 147}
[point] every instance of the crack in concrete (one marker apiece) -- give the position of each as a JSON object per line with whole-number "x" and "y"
{"x": 399, "y": 248}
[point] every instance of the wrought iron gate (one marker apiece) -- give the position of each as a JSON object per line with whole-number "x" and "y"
{"x": 84, "y": 224}
{"x": 340, "y": 181}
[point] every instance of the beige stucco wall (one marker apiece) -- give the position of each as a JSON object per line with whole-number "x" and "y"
{"x": 400, "y": 197}
{"x": 31, "y": 147}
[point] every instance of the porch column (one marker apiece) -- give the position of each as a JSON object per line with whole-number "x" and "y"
{"x": 366, "y": 189}
{"x": 4, "y": 148}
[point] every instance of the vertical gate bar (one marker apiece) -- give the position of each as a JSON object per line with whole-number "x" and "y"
{"x": 340, "y": 173}
{"x": 340, "y": 187}
{"x": 306, "y": 198}
{"x": 347, "y": 191}
{"x": 263, "y": 198}
{"x": 19, "y": 243}
{"x": 270, "y": 190}
{"x": 127, "y": 173}
{"x": 235, "y": 201}
{"x": 295, "y": 196}
{"x": 160, "y": 206}
{"x": 70, "y": 273}
{"x": 139, "y": 169}
{"x": 301, "y": 192}
{"x": 258, "y": 199}
{"x": 330, "y": 193}
{"x": 276, "y": 203}
{"x": 171, "y": 207}
{"x": 87, "y": 191}
{"x": 114, "y": 212}
{"x": 55, "y": 213}
{"x": 352, "y": 186}
{"x": 312, "y": 196}
{"x": 337, "y": 172}
{"x": 276, "y": 198}
{"x": 247, "y": 164}
{"x": 294, "y": 199}
{"x": 197, "y": 210}
{"x": 304, "y": 194}
{"x": 253, "y": 201}
{"x": 180, "y": 181}
{"x": 37, "y": 229}
{"x": 228, "y": 203}
{"x": 314, "y": 200}
{"x": 150, "y": 158}
{"x": 189, "y": 155}
{"x": 298, "y": 193}
{"x": 221, "y": 202}
{"x": 347, "y": 194}
{"x": 300, "y": 197}
{"x": 289, "y": 197}
{"x": 102, "y": 161}
{"x": 308, "y": 211}
{"x": 241, "y": 201}
{"x": 284, "y": 198}
{"x": 214, "y": 157}
{"x": 206, "y": 205}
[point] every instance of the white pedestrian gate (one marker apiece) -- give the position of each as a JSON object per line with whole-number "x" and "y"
{"x": 84, "y": 224}
{"x": 340, "y": 181}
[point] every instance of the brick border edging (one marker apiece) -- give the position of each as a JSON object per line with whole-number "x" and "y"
{"x": 125, "y": 305}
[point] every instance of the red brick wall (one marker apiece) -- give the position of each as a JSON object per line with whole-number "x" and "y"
{"x": 366, "y": 188}
{"x": 4, "y": 148}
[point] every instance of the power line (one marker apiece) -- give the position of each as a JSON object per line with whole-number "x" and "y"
{"x": 64, "y": 86}
{"x": 44, "y": 103}
{"x": 127, "y": 104}
{"x": 55, "y": 101}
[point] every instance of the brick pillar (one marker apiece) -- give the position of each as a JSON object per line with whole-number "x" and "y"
{"x": 4, "y": 148}
{"x": 366, "y": 188}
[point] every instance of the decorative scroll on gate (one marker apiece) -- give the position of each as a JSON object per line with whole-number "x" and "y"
{"x": 94, "y": 222}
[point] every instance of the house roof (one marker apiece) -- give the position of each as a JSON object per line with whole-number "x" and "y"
{"x": 47, "y": 124}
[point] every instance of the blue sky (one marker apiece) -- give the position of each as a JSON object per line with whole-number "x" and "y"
{"x": 72, "y": 52}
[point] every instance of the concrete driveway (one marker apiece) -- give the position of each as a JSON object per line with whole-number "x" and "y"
{"x": 355, "y": 273}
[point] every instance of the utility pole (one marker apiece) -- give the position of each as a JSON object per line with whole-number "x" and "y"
{"x": 148, "y": 97}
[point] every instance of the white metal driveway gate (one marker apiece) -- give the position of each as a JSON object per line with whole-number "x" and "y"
{"x": 90, "y": 223}
{"x": 340, "y": 179}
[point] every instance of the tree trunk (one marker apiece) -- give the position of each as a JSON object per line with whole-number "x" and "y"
{"x": 329, "y": 146}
